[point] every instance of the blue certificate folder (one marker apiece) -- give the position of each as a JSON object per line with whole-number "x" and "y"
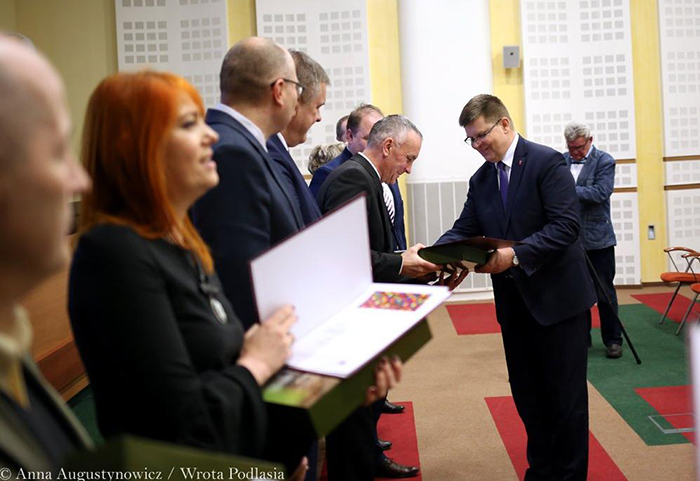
{"x": 472, "y": 250}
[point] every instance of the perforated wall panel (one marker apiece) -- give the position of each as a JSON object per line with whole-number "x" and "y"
{"x": 187, "y": 37}
{"x": 578, "y": 66}
{"x": 683, "y": 220}
{"x": 624, "y": 211}
{"x": 334, "y": 33}
{"x": 679, "y": 32}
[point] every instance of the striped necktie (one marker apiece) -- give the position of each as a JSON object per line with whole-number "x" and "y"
{"x": 389, "y": 202}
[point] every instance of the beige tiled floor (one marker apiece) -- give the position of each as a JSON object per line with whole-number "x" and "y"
{"x": 447, "y": 382}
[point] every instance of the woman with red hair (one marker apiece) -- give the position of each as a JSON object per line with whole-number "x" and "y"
{"x": 166, "y": 355}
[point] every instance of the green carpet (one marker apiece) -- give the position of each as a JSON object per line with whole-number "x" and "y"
{"x": 664, "y": 362}
{"x": 83, "y": 406}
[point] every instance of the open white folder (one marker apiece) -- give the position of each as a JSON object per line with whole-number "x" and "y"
{"x": 325, "y": 272}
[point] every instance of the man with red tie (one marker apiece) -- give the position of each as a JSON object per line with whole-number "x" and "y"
{"x": 524, "y": 192}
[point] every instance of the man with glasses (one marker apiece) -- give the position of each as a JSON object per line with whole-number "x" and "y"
{"x": 542, "y": 288}
{"x": 252, "y": 208}
{"x": 594, "y": 173}
{"x": 308, "y": 111}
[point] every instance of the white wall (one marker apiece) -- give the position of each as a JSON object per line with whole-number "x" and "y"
{"x": 445, "y": 61}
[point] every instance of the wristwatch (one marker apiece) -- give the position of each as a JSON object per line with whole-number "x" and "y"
{"x": 516, "y": 261}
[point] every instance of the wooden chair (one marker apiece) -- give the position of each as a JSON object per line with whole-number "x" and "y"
{"x": 683, "y": 278}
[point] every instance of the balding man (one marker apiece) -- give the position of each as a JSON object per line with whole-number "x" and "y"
{"x": 38, "y": 178}
{"x": 308, "y": 111}
{"x": 252, "y": 208}
{"x": 341, "y": 129}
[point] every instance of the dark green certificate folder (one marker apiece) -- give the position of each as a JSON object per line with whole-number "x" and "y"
{"x": 317, "y": 404}
{"x": 473, "y": 250}
{"x": 131, "y": 458}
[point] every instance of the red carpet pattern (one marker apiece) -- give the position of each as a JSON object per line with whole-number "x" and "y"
{"x": 658, "y": 302}
{"x": 600, "y": 466}
{"x": 473, "y": 318}
{"x": 674, "y": 403}
{"x": 470, "y": 319}
{"x": 400, "y": 429}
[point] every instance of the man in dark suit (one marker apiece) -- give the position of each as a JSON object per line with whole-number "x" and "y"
{"x": 341, "y": 129}
{"x": 39, "y": 176}
{"x": 308, "y": 111}
{"x": 252, "y": 208}
{"x": 393, "y": 145}
{"x": 360, "y": 123}
{"x": 542, "y": 288}
{"x": 594, "y": 173}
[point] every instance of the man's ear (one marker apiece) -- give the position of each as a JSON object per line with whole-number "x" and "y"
{"x": 507, "y": 126}
{"x": 277, "y": 91}
{"x": 387, "y": 145}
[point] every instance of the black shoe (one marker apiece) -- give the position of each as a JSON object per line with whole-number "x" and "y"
{"x": 613, "y": 351}
{"x": 390, "y": 408}
{"x": 391, "y": 469}
{"x": 384, "y": 444}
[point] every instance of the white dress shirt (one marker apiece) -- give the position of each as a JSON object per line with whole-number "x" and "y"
{"x": 245, "y": 121}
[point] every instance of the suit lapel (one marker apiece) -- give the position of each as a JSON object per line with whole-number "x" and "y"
{"x": 516, "y": 173}
{"x": 53, "y": 399}
{"x": 379, "y": 193}
{"x": 18, "y": 444}
{"x": 224, "y": 118}
{"x": 588, "y": 168}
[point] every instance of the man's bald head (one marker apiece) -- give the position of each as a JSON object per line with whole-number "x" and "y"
{"x": 38, "y": 171}
{"x": 249, "y": 68}
{"x": 26, "y": 83}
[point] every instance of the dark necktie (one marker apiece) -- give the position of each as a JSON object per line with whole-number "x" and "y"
{"x": 503, "y": 178}
{"x": 578, "y": 162}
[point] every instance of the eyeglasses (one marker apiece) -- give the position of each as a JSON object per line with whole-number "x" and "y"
{"x": 480, "y": 137}
{"x": 575, "y": 148}
{"x": 299, "y": 87}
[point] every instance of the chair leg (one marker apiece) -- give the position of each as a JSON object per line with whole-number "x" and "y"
{"x": 668, "y": 308}
{"x": 687, "y": 313}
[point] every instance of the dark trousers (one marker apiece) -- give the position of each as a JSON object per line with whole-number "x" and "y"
{"x": 603, "y": 261}
{"x": 377, "y": 408}
{"x": 547, "y": 371}
{"x": 350, "y": 450}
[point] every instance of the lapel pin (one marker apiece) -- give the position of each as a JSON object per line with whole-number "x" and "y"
{"x": 520, "y": 162}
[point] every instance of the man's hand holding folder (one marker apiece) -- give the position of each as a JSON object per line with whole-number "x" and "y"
{"x": 484, "y": 254}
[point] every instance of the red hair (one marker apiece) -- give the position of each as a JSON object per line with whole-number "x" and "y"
{"x": 128, "y": 121}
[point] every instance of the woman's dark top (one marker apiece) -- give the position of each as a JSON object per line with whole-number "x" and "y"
{"x": 161, "y": 363}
